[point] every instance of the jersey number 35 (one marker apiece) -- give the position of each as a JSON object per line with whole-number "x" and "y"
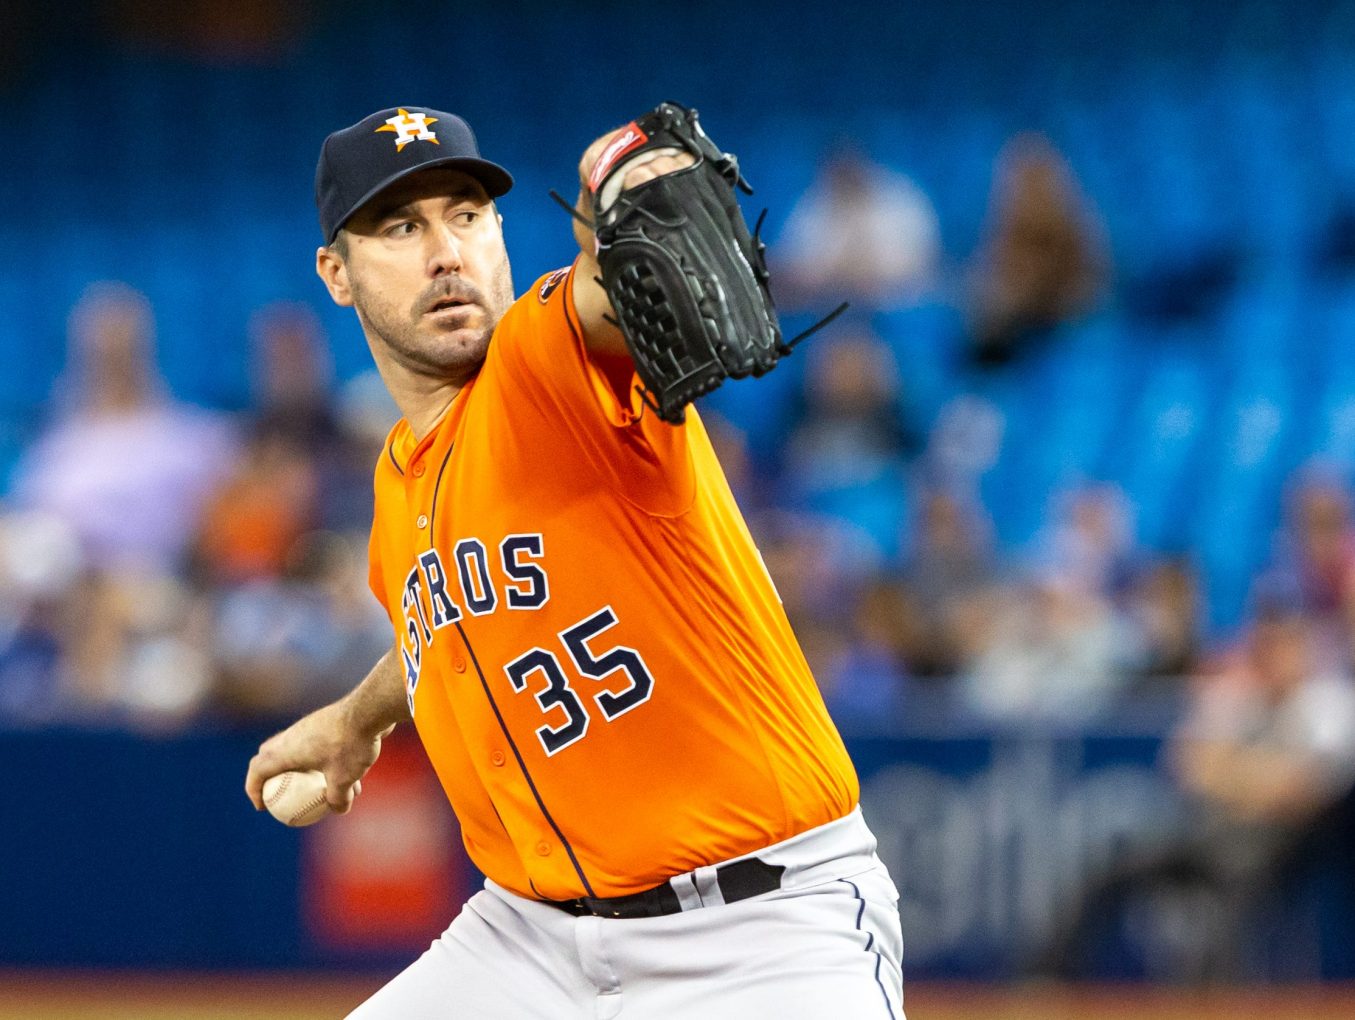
{"x": 557, "y": 693}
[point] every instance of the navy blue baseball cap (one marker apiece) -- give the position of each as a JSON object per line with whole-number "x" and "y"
{"x": 361, "y": 161}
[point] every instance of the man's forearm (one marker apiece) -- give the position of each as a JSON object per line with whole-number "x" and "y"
{"x": 342, "y": 739}
{"x": 378, "y": 703}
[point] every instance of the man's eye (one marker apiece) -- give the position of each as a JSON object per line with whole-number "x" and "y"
{"x": 466, "y": 217}
{"x": 405, "y": 228}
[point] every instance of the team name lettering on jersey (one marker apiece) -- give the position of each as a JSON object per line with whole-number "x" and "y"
{"x": 428, "y": 605}
{"x": 416, "y": 633}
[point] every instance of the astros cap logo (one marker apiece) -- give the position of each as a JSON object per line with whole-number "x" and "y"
{"x": 410, "y": 127}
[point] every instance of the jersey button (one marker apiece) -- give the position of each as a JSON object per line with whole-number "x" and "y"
{"x": 422, "y": 522}
{"x": 459, "y": 664}
{"x": 498, "y": 759}
{"x": 543, "y": 849}
{"x": 419, "y": 469}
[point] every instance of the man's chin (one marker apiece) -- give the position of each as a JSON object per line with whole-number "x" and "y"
{"x": 455, "y": 348}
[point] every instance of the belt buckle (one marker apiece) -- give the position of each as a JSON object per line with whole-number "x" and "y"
{"x": 578, "y": 907}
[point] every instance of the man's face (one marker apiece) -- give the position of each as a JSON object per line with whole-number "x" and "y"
{"x": 425, "y": 267}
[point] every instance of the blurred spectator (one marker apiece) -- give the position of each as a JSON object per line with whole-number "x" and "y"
{"x": 1044, "y": 260}
{"x": 861, "y": 670}
{"x": 253, "y": 521}
{"x": 123, "y": 465}
{"x": 944, "y": 579}
{"x": 296, "y": 410}
{"x": 39, "y": 563}
{"x": 1317, "y": 547}
{"x": 1050, "y": 652}
{"x": 861, "y": 233}
{"x": 365, "y": 413}
{"x": 1053, "y": 648}
{"x": 292, "y": 373}
{"x": 273, "y": 495}
{"x": 1271, "y": 738}
{"x": 965, "y": 442}
{"x": 1091, "y": 544}
{"x": 290, "y": 642}
{"x": 1315, "y": 559}
{"x": 1091, "y": 539}
{"x": 1163, "y": 615}
{"x": 136, "y": 649}
{"x": 846, "y": 458}
{"x": 1267, "y": 747}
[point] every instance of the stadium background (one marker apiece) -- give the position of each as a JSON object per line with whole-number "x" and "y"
{"x": 1169, "y": 444}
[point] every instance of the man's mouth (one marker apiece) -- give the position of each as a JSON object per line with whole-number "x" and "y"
{"x": 451, "y": 311}
{"x": 449, "y": 302}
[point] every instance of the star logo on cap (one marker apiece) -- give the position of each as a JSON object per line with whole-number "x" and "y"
{"x": 410, "y": 127}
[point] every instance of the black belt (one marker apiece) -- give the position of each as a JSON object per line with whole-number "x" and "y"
{"x": 739, "y": 880}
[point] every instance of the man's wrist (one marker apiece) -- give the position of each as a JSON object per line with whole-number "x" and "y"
{"x": 364, "y": 715}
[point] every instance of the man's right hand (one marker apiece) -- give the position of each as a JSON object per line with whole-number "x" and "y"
{"x": 328, "y": 741}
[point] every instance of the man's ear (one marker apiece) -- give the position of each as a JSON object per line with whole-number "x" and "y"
{"x": 333, "y": 271}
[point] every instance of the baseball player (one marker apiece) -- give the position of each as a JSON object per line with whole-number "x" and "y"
{"x": 586, "y": 638}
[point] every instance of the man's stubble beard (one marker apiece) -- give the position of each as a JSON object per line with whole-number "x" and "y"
{"x": 423, "y": 348}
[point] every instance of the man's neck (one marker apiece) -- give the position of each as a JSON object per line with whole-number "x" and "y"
{"x": 422, "y": 399}
{"x": 424, "y": 408}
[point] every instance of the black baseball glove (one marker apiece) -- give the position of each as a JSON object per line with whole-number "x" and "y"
{"x": 686, "y": 279}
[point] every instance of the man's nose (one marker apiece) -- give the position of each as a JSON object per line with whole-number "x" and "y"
{"x": 444, "y": 251}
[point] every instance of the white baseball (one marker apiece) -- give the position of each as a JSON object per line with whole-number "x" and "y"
{"x": 296, "y": 798}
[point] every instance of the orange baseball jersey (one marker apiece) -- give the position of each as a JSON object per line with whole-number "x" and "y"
{"x": 596, "y": 660}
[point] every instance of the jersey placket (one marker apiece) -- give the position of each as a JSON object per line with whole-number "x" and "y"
{"x": 545, "y": 844}
{"x": 433, "y": 530}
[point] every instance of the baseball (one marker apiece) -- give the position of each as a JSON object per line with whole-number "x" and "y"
{"x": 296, "y": 798}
